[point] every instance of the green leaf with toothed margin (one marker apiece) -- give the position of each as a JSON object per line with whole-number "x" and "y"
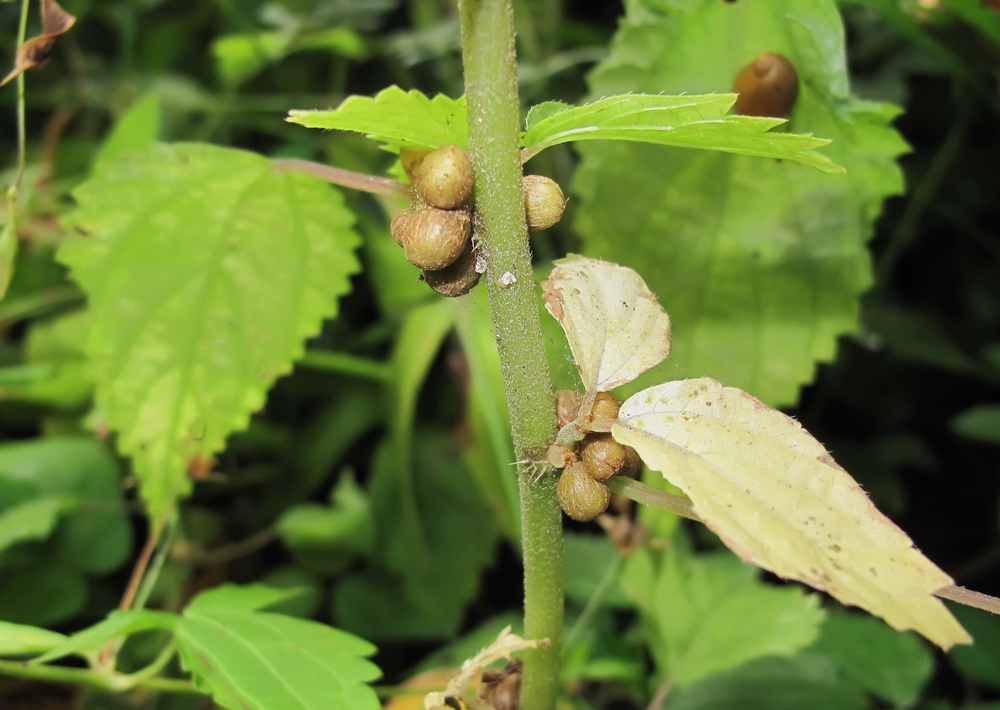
{"x": 400, "y": 119}
{"x": 205, "y": 271}
{"x": 681, "y": 121}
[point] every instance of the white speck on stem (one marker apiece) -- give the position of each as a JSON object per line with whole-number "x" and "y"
{"x": 507, "y": 279}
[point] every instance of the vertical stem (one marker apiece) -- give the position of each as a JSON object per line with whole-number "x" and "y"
{"x": 494, "y": 141}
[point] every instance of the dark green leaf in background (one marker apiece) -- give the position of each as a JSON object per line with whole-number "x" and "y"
{"x": 709, "y": 613}
{"x": 980, "y": 423}
{"x": 805, "y": 681}
{"x": 408, "y": 596}
{"x": 205, "y": 271}
{"x": 43, "y": 593}
{"x": 886, "y": 663}
{"x": 759, "y": 263}
{"x": 981, "y": 660}
{"x": 93, "y": 534}
{"x": 326, "y": 538}
{"x": 490, "y": 453}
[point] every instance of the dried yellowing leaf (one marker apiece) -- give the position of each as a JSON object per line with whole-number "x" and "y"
{"x": 505, "y": 644}
{"x": 615, "y": 326}
{"x": 55, "y": 21}
{"x": 778, "y": 500}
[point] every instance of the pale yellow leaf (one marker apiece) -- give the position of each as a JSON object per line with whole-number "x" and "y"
{"x": 615, "y": 326}
{"x": 778, "y": 500}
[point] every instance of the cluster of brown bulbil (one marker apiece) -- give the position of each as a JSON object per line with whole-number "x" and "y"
{"x": 582, "y": 492}
{"x": 436, "y": 230}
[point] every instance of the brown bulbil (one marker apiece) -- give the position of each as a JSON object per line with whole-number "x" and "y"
{"x": 633, "y": 463}
{"x": 433, "y": 239}
{"x": 581, "y": 497}
{"x": 603, "y": 456}
{"x": 443, "y": 178}
{"x": 399, "y": 224}
{"x": 458, "y": 278}
{"x": 605, "y": 406}
{"x": 768, "y": 86}
{"x": 544, "y": 202}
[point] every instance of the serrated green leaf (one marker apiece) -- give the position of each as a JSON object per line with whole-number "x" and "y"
{"x": 680, "y": 121}
{"x": 710, "y": 613}
{"x": 803, "y": 681}
{"x": 892, "y": 665}
{"x": 261, "y": 661}
{"x": 205, "y": 270}
{"x": 400, "y": 119}
{"x": 759, "y": 263}
{"x": 21, "y": 640}
{"x": 119, "y": 624}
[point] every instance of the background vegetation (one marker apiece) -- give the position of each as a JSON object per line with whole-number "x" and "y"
{"x": 309, "y": 495}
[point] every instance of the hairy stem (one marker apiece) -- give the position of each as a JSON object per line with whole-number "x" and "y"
{"x": 494, "y": 142}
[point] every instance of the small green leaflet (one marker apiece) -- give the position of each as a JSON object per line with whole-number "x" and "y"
{"x": 205, "y": 270}
{"x": 681, "y": 121}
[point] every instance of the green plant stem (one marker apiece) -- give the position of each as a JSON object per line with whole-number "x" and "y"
{"x": 103, "y": 681}
{"x": 494, "y": 142}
